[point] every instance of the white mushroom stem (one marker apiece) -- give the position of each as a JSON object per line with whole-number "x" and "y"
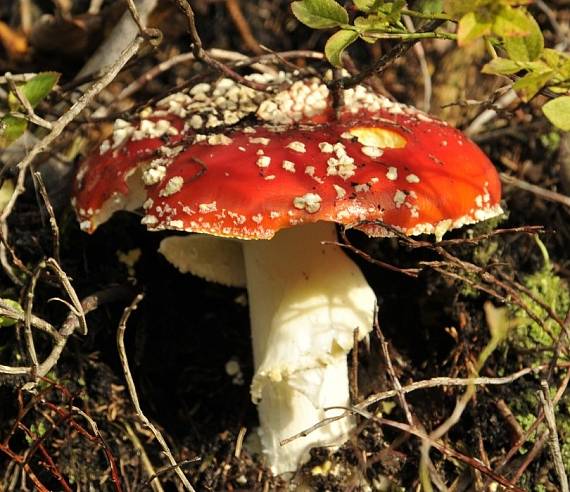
{"x": 306, "y": 299}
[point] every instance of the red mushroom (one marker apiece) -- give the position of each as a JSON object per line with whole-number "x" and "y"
{"x": 282, "y": 184}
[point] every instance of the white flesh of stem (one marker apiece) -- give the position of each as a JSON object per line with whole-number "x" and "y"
{"x": 306, "y": 299}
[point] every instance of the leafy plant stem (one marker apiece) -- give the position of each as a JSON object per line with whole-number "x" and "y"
{"x": 410, "y": 36}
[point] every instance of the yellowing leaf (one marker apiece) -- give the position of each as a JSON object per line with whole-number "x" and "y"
{"x": 528, "y": 47}
{"x": 558, "y": 112}
{"x": 471, "y": 27}
{"x": 502, "y": 66}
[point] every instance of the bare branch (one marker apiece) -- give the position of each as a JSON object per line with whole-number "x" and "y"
{"x": 134, "y": 396}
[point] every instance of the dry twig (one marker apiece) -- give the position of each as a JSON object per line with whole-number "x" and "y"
{"x": 201, "y": 54}
{"x": 551, "y": 196}
{"x": 44, "y": 144}
{"x": 425, "y": 384}
{"x": 134, "y": 396}
{"x": 554, "y": 444}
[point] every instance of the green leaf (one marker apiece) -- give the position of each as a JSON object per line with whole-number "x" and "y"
{"x": 11, "y": 128}
{"x": 558, "y": 61}
{"x": 471, "y": 27}
{"x": 366, "y": 5}
{"x": 558, "y": 112}
{"x": 393, "y": 10}
{"x": 39, "y": 87}
{"x": 6, "y": 321}
{"x": 527, "y": 47}
{"x": 6, "y": 192}
{"x": 429, "y": 6}
{"x": 376, "y": 22}
{"x": 502, "y": 66}
{"x": 337, "y": 43}
{"x": 320, "y": 14}
{"x": 510, "y": 22}
{"x": 35, "y": 89}
{"x": 459, "y": 8}
{"x": 531, "y": 83}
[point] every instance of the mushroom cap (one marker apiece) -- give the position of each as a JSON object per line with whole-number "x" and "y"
{"x": 298, "y": 163}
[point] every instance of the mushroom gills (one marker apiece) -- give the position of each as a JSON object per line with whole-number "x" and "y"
{"x": 212, "y": 258}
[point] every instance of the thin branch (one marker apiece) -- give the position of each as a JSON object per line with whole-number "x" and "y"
{"x": 23, "y": 100}
{"x": 58, "y": 127}
{"x": 549, "y": 195}
{"x": 553, "y": 443}
{"x": 533, "y": 427}
{"x": 134, "y": 396}
{"x": 115, "y": 477}
{"x": 428, "y": 383}
{"x": 153, "y": 482}
{"x": 61, "y": 336}
{"x": 242, "y": 26}
{"x": 39, "y": 182}
{"x": 395, "y": 381}
{"x": 382, "y": 63}
{"x": 201, "y": 54}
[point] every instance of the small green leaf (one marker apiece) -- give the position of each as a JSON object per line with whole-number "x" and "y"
{"x": 393, "y": 10}
{"x": 528, "y": 47}
{"x": 11, "y": 128}
{"x": 502, "y": 66}
{"x": 459, "y": 8}
{"x": 6, "y": 192}
{"x": 376, "y": 22}
{"x": 6, "y": 321}
{"x": 35, "y": 89}
{"x": 39, "y": 87}
{"x": 511, "y": 22}
{"x": 558, "y": 61}
{"x": 429, "y": 6}
{"x": 471, "y": 27}
{"x": 558, "y": 112}
{"x": 366, "y": 5}
{"x": 320, "y": 14}
{"x": 531, "y": 83}
{"x": 337, "y": 43}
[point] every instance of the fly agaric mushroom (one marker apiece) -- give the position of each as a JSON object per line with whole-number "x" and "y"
{"x": 280, "y": 185}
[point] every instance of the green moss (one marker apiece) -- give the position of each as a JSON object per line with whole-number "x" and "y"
{"x": 554, "y": 292}
{"x": 485, "y": 252}
{"x": 550, "y": 141}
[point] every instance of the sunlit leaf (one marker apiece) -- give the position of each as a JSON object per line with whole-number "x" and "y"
{"x": 337, "y": 43}
{"x": 528, "y": 47}
{"x": 6, "y": 321}
{"x": 11, "y": 128}
{"x": 429, "y": 6}
{"x": 558, "y": 112}
{"x": 529, "y": 85}
{"x": 367, "y": 5}
{"x": 502, "y": 66}
{"x": 472, "y": 26}
{"x": 320, "y": 14}
{"x": 35, "y": 89}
